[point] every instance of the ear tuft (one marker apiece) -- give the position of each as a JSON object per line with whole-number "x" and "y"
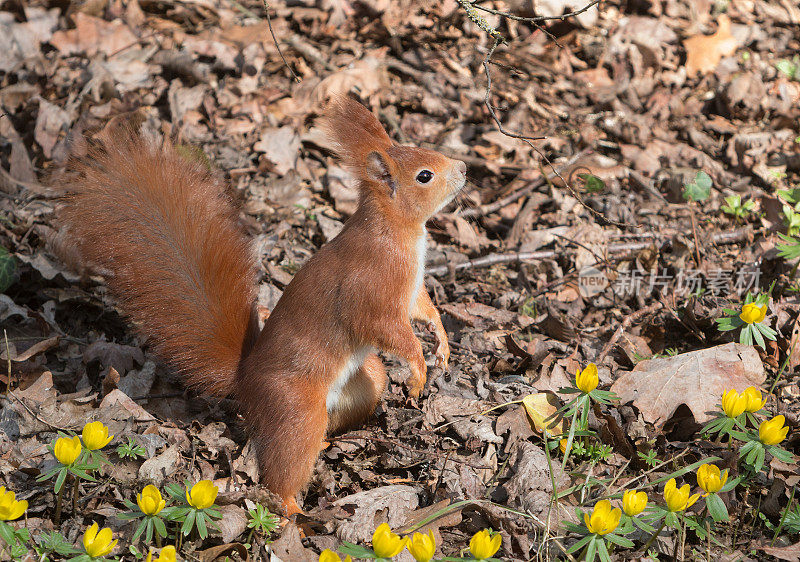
{"x": 378, "y": 170}
{"x": 354, "y": 130}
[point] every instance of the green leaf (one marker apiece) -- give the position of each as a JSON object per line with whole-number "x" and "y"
{"x": 356, "y": 551}
{"x": 591, "y": 183}
{"x": 60, "y": 479}
{"x": 161, "y": 529}
{"x": 201, "y": 524}
{"x": 188, "y": 523}
{"x": 8, "y": 269}
{"x": 716, "y": 508}
{"x": 7, "y": 533}
{"x": 580, "y": 544}
{"x": 591, "y": 549}
{"x": 602, "y": 551}
{"x": 698, "y": 189}
{"x": 621, "y": 541}
{"x": 139, "y": 530}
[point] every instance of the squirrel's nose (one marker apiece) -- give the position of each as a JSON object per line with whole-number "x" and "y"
{"x": 461, "y": 167}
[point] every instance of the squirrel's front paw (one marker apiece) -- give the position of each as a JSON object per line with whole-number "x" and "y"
{"x": 442, "y": 352}
{"x": 416, "y": 382}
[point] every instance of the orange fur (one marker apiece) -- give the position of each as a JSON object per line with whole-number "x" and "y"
{"x": 180, "y": 267}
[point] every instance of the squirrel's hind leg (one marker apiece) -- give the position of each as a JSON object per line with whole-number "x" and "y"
{"x": 359, "y": 396}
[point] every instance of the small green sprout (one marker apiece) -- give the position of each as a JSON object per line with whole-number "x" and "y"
{"x": 736, "y": 208}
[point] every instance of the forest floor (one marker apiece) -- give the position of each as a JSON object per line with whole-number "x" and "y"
{"x": 611, "y": 240}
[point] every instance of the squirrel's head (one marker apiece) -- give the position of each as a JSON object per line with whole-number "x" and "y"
{"x": 414, "y": 183}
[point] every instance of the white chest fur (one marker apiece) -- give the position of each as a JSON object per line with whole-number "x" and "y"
{"x": 336, "y": 396}
{"x": 421, "y": 248}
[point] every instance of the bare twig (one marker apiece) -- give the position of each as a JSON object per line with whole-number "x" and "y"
{"x": 275, "y": 40}
{"x": 535, "y": 19}
{"x": 629, "y": 319}
{"x": 623, "y": 248}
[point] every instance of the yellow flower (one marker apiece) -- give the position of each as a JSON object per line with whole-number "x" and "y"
{"x": 752, "y": 313}
{"x": 563, "y": 446}
{"x": 95, "y": 436}
{"x": 772, "y": 432}
{"x": 587, "y": 379}
{"x": 67, "y": 449}
{"x": 10, "y": 508}
{"x": 733, "y": 403}
{"x": 754, "y": 400}
{"x": 202, "y": 495}
{"x": 385, "y": 543}
{"x": 98, "y": 544}
{"x": 603, "y": 519}
{"x": 328, "y": 555}
{"x": 483, "y": 545}
{"x": 710, "y": 479}
{"x": 150, "y": 500}
{"x": 678, "y": 499}
{"x": 167, "y": 555}
{"x": 633, "y": 502}
{"x": 422, "y": 547}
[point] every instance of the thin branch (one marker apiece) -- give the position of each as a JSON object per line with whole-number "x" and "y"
{"x": 535, "y": 19}
{"x": 274, "y": 40}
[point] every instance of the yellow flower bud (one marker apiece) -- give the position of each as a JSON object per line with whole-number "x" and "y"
{"x": 754, "y": 400}
{"x": 10, "y": 508}
{"x": 167, "y": 555}
{"x": 98, "y": 544}
{"x": 633, "y": 502}
{"x": 422, "y": 547}
{"x": 484, "y": 545}
{"x": 385, "y": 543}
{"x": 678, "y": 499}
{"x": 710, "y": 479}
{"x": 67, "y": 449}
{"x": 202, "y": 494}
{"x": 772, "y": 432}
{"x": 603, "y": 519}
{"x": 328, "y": 555}
{"x": 753, "y": 314}
{"x": 563, "y": 446}
{"x": 150, "y": 500}
{"x": 95, "y": 436}
{"x": 587, "y": 379}
{"x": 733, "y": 403}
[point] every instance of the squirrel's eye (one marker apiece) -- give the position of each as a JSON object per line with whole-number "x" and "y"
{"x": 424, "y": 176}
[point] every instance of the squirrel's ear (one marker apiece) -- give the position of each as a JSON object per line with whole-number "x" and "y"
{"x": 379, "y": 171}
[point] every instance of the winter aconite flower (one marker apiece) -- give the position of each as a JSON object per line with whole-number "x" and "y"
{"x": 202, "y": 494}
{"x": 10, "y": 508}
{"x": 633, "y": 502}
{"x": 754, "y": 400}
{"x": 385, "y": 543}
{"x": 98, "y": 544}
{"x": 733, "y": 403}
{"x": 167, "y": 555}
{"x": 67, "y": 450}
{"x": 710, "y": 479}
{"x": 587, "y": 380}
{"x": 678, "y": 499}
{"x": 772, "y": 432}
{"x": 422, "y": 547}
{"x": 150, "y": 500}
{"x": 484, "y": 545}
{"x": 95, "y": 436}
{"x": 603, "y": 519}
{"x": 753, "y": 314}
{"x": 328, "y": 555}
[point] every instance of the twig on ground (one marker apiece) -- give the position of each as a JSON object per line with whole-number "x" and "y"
{"x": 629, "y": 319}
{"x": 275, "y": 40}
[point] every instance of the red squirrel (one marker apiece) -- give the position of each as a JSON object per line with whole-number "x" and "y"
{"x": 167, "y": 238}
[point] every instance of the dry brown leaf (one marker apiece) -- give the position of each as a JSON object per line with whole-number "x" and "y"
{"x": 703, "y": 52}
{"x": 541, "y": 408}
{"x": 698, "y": 379}
{"x": 92, "y": 35}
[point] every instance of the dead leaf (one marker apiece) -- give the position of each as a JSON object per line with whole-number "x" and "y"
{"x": 698, "y": 379}
{"x": 703, "y": 52}
{"x": 92, "y": 35}
{"x": 233, "y": 522}
{"x": 35, "y": 349}
{"x": 121, "y": 357}
{"x": 541, "y": 408}
{"x": 215, "y": 552}
{"x": 387, "y": 504}
{"x": 789, "y": 553}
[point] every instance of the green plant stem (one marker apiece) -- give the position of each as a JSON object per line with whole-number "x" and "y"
{"x": 783, "y": 517}
{"x": 75, "y": 491}
{"x": 57, "y": 514}
{"x": 250, "y": 536}
{"x": 653, "y": 538}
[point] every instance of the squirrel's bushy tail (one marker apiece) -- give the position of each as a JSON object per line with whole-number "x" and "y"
{"x": 168, "y": 238}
